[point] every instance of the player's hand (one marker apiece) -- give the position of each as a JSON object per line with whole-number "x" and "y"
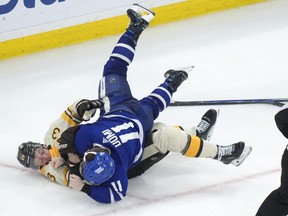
{"x": 75, "y": 182}
{"x": 86, "y": 109}
{"x": 57, "y": 162}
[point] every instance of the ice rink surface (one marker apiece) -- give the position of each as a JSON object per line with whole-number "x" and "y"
{"x": 241, "y": 53}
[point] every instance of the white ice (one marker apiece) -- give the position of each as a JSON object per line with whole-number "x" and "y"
{"x": 238, "y": 54}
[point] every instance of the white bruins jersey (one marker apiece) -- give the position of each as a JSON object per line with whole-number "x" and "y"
{"x": 52, "y": 141}
{"x": 59, "y": 175}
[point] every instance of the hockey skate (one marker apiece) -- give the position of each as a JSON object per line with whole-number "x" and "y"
{"x": 206, "y": 126}
{"x": 233, "y": 154}
{"x": 175, "y": 77}
{"x": 140, "y": 18}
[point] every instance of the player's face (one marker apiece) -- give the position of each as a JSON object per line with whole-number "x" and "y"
{"x": 41, "y": 157}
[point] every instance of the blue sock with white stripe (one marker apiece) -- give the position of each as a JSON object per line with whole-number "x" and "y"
{"x": 162, "y": 96}
{"x": 121, "y": 56}
{"x": 124, "y": 49}
{"x": 157, "y": 100}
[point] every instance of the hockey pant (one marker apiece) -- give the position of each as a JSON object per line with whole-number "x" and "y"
{"x": 164, "y": 139}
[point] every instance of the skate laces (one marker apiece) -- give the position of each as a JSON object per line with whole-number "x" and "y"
{"x": 225, "y": 150}
{"x": 203, "y": 126}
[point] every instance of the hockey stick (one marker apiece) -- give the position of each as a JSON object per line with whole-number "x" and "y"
{"x": 273, "y": 101}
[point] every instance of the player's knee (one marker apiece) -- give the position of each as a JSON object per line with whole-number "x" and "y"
{"x": 157, "y": 126}
{"x": 170, "y": 139}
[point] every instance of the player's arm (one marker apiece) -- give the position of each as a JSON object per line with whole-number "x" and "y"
{"x": 59, "y": 175}
{"x": 106, "y": 193}
{"x": 80, "y": 110}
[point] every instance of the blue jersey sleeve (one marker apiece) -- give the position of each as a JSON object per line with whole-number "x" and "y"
{"x": 113, "y": 190}
{"x": 85, "y": 138}
{"x": 110, "y": 192}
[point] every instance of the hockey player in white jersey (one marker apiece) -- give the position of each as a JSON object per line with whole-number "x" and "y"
{"x": 46, "y": 157}
{"x": 134, "y": 117}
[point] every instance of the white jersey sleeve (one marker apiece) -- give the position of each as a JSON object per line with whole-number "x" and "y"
{"x": 52, "y": 137}
{"x": 59, "y": 175}
{"x": 52, "y": 141}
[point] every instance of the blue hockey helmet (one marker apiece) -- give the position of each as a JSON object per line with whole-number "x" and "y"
{"x": 98, "y": 167}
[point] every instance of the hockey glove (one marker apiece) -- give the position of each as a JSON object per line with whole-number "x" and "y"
{"x": 86, "y": 109}
{"x": 67, "y": 141}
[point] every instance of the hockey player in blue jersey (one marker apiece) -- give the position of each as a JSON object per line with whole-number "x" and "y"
{"x": 115, "y": 141}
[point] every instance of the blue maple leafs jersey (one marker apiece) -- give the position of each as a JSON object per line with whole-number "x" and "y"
{"x": 123, "y": 135}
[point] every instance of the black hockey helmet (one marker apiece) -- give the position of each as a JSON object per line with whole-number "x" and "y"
{"x": 26, "y": 152}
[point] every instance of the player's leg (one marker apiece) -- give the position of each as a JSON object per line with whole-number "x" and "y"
{"x": 123, "y": 53}
{"x": 160, "y": 97}
{"x": 272, "y": 206}
{"x": 284, "y": 179}
{"x": 113, "y": 87}
{"x": 151, "y": 154}
{"x": 150, "y": 157}
{"x": 175, "y": 140}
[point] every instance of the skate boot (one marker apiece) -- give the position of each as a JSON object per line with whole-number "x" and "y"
{"x": 233, "y": 154}
{"x": 140, "y": 18}
{"x": 175, "y": 77}
{"x": 206, "y": 126}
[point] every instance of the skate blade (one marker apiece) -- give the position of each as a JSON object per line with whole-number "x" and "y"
{"x": 187, "y": 69}
{"x": 145, "y": 13}
{"x": 247, "y": 150}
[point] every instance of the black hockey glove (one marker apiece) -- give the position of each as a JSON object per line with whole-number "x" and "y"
{"x": 67, "y": 142}
{"x": 86, "y": 109}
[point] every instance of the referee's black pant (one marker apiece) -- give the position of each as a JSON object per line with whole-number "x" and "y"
{"x": 276, "y": 204}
